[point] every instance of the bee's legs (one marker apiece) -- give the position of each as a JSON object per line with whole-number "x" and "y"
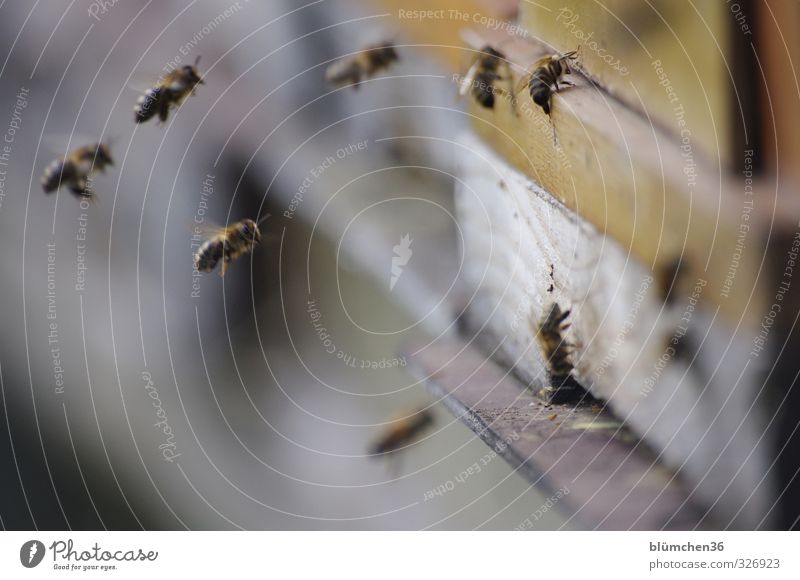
{"x": 163, "y": 108}
{"x": 224, "y": 267}
{"x": 78, "y": 187}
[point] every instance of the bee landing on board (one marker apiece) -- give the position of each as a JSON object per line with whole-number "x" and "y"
{"x": 545, "y": 77}
{"x": 557, "y": 352}
{"x": 228, "y": 244}
{"x": 402, "y": 432}
{"x": 76, "y": 169}
{"x": 352, "y": 69}
{"x": 170, "y": 91}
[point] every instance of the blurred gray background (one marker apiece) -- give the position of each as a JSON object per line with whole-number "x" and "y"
{"x": 270, "y": 430}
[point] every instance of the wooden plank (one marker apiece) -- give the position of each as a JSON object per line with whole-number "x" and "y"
{"x": 619, "y": 42}
{"x": 778, "y": 49}
{"x": 671, "y": 368}
{"x": 633, "y": 181}
{"x": 598, "y": 471}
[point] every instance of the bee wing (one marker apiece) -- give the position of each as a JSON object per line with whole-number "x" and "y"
{"x": 471, "y": 38}
{"x": 523, "y": 82}
{"x": 207, "y": 230}
{"x": 61, "y": 144}
{"x": 469, "y": 78}
{"x": 140, "y": 81}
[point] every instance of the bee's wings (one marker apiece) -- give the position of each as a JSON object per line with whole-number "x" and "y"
{"x": 61, "y": 144}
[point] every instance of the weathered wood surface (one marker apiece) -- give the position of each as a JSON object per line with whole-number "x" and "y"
{"x": 590, "y": 465}
{"x": 620, "y": 40}
{"x": 676, "y": 373}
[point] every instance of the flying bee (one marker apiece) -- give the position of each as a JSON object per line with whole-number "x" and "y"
{"x": 228, "y": 244}
{"x": 489, "y": 66}
{"x": 365, "y": 64}
{"x": 557, "y": 352}
{"x": 76, "y": 169}
{"x": 170, "y": 91}
{"x": 402, "y": 432}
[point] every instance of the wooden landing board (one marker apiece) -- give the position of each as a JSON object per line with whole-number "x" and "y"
{"x": 681, "y": 377}
{"x": 606, "y": 477}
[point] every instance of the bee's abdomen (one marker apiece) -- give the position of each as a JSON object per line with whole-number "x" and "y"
{"x": 56, "y": 174}
{"x": 381, "y": 57}
{"x": 147, "y": 105}
{"x": 208, "y": 255}
{"x": 540, "y": 90}
{"x": 484, "y": 88}
{"x": 344, "y": 73}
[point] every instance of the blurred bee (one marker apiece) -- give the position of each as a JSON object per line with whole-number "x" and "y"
{"x": 543, "y": 80}
{"x": 75, "y": 170}
{"x": 228, "y": 244}
{"x": 554, "y": 347}
{"x": 170, "y": 91}
{"x": 557, "y": 352}
{"x": 351, "y": 69}
{"x": 489, "y": 66}
{"x": 402, "y": 432}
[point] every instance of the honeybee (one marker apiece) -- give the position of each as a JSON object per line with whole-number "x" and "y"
{"x": 557, "y": 352}
{"x": 228, "y": 244}
{"x": 365, "y": 64}
{"x": 76, "y": 169}
{"x": 489, "y": 66}
{"x": 170, "y": 91}
{"x": 481, "y": 77}
{"x": 402, "y": 432}
{"x": 546, "y": 75}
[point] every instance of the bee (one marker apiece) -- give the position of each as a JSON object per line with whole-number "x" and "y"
{"x": 76, "y": 169}
{"x": 546, "y": 75}
{"x": 170, "y": 91}
{"x": 489, "y": 66}
{"x": 351, "y": 69}
{"x": 557, "y": 352}
{"x": 228, "y": 244}
{"x": 402, "y": 432}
